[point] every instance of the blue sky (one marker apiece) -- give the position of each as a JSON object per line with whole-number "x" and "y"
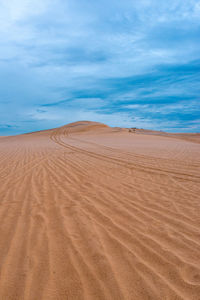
{"x": 124, "y": 63}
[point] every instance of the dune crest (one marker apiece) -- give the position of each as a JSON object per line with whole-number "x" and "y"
{"x": 93, "y": 212}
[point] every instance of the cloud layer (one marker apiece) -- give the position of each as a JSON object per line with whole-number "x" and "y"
{"x": 125, "y": 63}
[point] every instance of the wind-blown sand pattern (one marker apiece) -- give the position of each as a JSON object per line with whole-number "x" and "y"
{"x": 93, "y": 212}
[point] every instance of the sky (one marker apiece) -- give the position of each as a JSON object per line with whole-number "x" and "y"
{"x": 124, "y": 63}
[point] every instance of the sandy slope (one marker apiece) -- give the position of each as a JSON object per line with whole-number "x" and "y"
{"x": 90, "y": 212}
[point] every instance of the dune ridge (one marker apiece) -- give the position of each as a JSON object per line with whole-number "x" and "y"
{"x": 93, "y": 212}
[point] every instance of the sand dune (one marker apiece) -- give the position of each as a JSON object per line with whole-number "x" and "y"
{"x": 92, "y": 212}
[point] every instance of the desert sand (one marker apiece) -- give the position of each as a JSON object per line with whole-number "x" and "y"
{"x": 91, "y": 212}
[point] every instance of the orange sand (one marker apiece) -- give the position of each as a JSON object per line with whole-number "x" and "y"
{"x": 91, "y": 212}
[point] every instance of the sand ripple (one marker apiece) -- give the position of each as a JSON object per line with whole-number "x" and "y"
{"x": 89, "y": 212}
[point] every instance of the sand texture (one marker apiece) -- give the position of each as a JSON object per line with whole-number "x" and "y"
{"x": 91, "y": 212}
